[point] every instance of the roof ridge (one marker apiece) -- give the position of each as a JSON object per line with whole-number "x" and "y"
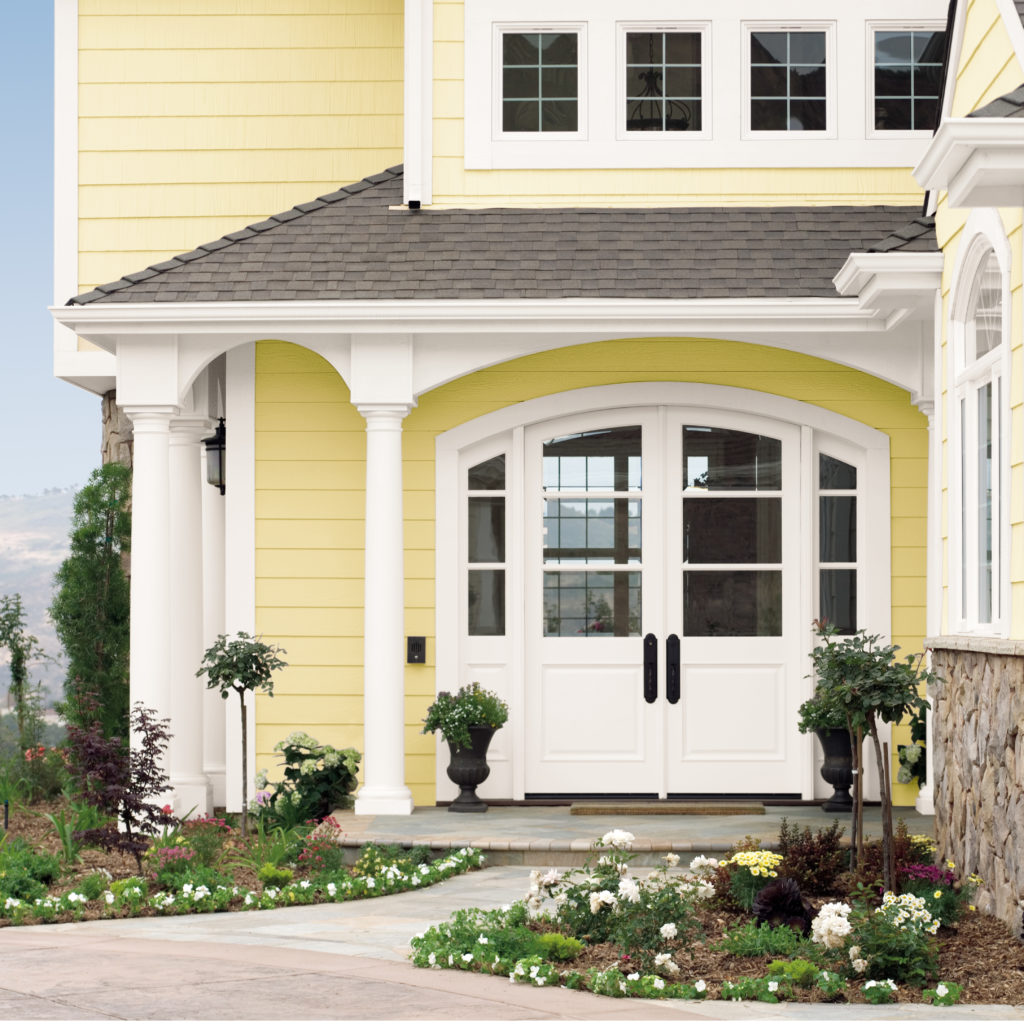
{"x": 250, "y": 231}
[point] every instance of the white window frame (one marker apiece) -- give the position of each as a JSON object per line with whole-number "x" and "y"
{"x": 831, "y": 79}
{"x": 872, "y": 27}
{"x": 703, "y": 28}
{"x": 983, "y": 235}
{"x": 577, "y": 28}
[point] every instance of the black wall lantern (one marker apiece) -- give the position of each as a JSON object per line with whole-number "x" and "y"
{"x": 215, "y": 456}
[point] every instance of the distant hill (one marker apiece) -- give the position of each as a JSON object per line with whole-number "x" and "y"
{"x": 33, "y": 543}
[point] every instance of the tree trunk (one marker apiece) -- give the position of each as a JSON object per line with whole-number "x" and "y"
{"x": 245, "y": 768}
{"x": 886, "y": 804}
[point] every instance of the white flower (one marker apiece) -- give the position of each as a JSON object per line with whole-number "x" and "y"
{"x": 669, "y": 930}
{"x": 633, "y": 977}
{"x": 703, "y": 864}
{"x": 432, "y": 959}
{"x": 467, "y": 958}
{"x": 831, "y": 926}
{"x": 658, "y": 983}
{"x": 482, "y": 939}
{"x": 332, "y": 890}
{"x": 860, "y": 966}
{"x": 701, "y": 986}
{"x": 109, "y": 897}
{"x": 551, "y": 878}
{"x": 599, "y": 899}
{"x": 618, "y": 839}
{"x": 941, "y": 990}
{"x": 773, "y": 986}
{"x": 629, "y": 890}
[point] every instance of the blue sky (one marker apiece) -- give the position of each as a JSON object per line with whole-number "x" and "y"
{"x": 49, "y": 430}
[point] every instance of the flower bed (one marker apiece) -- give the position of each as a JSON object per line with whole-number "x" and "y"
{"x": 740, "y": 929}
{"x": 205, "y": 866}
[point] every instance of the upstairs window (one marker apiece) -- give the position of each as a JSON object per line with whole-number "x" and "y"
{"x": 907, "y": 79}
{"x": 540, "y": 82}
{"x": 664, "y": 88}
{"x": 788, "y": 81}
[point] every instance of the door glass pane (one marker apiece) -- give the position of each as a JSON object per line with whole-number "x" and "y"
{"x": 834, "y": 475}
{"x": 486, "y": 602}
{"x": 592, "y": 530}
{"x": 837, "y": 518}
{"x": 598, "y": 460}
{"x": 591, "y": 604}
{"x": 732, "y": 530}
{"x": 488, "y": 476}
{"x": 715, "y": 459}
{"x": 838, "y": 598}
{"x": 738, "y": 603}
{"x": 486, "y": 529}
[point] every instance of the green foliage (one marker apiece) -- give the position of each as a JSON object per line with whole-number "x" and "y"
{"x": 91, "y": 605}
{"x": 271, "y": 874}
{"x": 471, "y": 705}
{"x": 533, "y": 970}
{"x": 945, "y": 993}
{"x": 242, "y": 665}
{"x": 317, "y": 780}
{"x": 65, "y": 829}
{"x": 25, "y": 873}
{"x": 813, "y": 860}
{"x": 798, "y": 972}
{"x": 556, "y": 946}
{"x": 206, "y": 836}
{"x": 764, "y": 990}
{"x": 894, "y": 941}
{"x": 320, "y": 851}
{"x": 92, "y": 886}
{"x": 761, "y": 940}
{"x": 878, "y": 992}
{"x": 267, "y": 845}
{"x": 22, "y": 648}
{"x": 831, "y": 985}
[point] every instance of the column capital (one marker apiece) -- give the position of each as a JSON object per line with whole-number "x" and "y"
{"x": 145, "y": 417}
{"x": 190, "y": 429}
{"x": 383, "y": 414}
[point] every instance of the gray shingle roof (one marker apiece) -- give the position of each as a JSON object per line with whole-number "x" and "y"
{"x": 350, "y": 245}
{"x": 917, "y": 236}
{"x": 1009, "y": 105}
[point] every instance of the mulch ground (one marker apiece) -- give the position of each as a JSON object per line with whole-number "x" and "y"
{"x": 979, "y": 953}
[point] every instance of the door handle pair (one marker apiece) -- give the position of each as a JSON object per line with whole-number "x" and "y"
{"x": 651, "y": 669}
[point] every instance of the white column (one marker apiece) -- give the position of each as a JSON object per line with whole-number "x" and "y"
{"x": 213, "y": 626}
{"x": 149, "y": 665}
{"x": 384, "y": 790}
{"x": 191, "y": 786}
{"x": 925, "y": 802}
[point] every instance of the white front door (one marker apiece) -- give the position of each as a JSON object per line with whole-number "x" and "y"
{"x": 662, "y": 604}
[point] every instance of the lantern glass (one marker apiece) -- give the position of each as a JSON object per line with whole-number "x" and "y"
{"x": 215, "y": 457}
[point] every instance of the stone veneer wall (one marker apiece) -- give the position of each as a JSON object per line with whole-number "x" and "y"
{"x": 118, "y": 439}
{"x": 978, "y": 763}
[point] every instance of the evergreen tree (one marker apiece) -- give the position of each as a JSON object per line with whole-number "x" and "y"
{"x": 90, "y": 608}
{"x": 23, "y": 648}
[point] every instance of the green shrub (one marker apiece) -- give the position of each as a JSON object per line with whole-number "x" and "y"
{"x": 206, "y": 836}
{"x": 813, "y": 860}
{"x": 800, "y": 972}
{"x": 271, "y": 875}
{"x": 895, "y": 940}
{"x": 317, "y": 780}
{"x": 764, "y": 990}
{"x": 761, "y": 940}
{"x": 93, "y": 886}
{"x": 556, "y": 946}
{"x": 25, "y": 873}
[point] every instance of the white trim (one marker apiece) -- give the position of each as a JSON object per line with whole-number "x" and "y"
{"x": 888, "y": 282}
{"x": 871, "y": 27}
{"x": 240, "y": 544}
{"x": 831, "y": 131}
{"x": 65, "y": 163}
{"x": 982, "y": 233}
{"x": 978, "y": 160}
{"x": 1014, "y": 29}
{"x": 418, "y": 105}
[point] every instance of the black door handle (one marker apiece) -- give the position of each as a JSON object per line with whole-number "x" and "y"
{"x": 650, "y": 668}
{"x": 672, "y": 669}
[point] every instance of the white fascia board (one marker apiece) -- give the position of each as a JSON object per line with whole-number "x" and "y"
{"x": 891, "y": 281}
{"x": 104, "y": 322}
{"x": 979, "y": 161}
{"x": 92, "y": 371}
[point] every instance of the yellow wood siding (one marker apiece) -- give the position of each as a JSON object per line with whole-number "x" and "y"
{"x": 197, "y": 118}
{"x": 453, "y": 185}
{"x": 309, "y": 511}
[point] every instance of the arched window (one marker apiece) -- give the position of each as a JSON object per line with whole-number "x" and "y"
{"x": 979, "y": 425}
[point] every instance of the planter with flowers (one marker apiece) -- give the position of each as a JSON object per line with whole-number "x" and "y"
{"x": 467, "y": 720}
{"x": 823, "y": 715}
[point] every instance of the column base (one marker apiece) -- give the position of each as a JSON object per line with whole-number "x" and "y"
{"x": 193, "y": 797}
{"x": 924, "y": 804}
{"x": 219, "y": 785}
{"x": 384, "y": 800}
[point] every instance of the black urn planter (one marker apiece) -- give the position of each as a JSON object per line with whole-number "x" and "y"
{"x": 468, "y": 768}
{"x": 837, "y": 769}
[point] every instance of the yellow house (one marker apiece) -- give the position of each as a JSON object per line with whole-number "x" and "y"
{"x": 605, "y": 371}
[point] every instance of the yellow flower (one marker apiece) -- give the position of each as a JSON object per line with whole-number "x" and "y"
{"x": 971, "y": 906}
{"x": 950, "y": 865}
{"x": 937, "y": 894}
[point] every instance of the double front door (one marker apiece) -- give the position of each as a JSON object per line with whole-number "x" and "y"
{"x": 663, "y": 604}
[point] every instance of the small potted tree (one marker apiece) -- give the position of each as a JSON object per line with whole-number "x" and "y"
{"x": 823, "y": 715}
{"x": 467, "y": 720}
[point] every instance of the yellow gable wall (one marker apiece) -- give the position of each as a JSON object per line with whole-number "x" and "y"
{"x": 197, "y": 117}
{"x": 454, "y": 185}
{"x": 309, "y": 506}
{"x": 988, "y": 68}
